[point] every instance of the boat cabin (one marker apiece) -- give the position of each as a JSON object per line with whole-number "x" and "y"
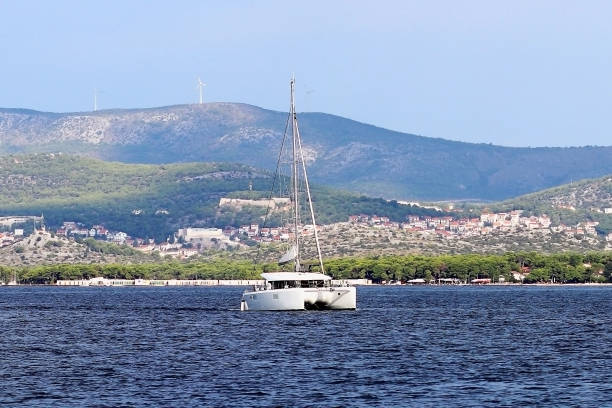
{"x": 285, "y": 280}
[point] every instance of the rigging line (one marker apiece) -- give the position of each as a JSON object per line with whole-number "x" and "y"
{"x": 314, "y": 224}
{"x": 274, "y": 179}
{"x": 294, "y": 177}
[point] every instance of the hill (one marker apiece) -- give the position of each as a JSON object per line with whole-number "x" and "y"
{"x": 569, "y": 203}
{"x": 154, "y": 200}
{"x": 342, "y": 152}
{"x": 43, "y": 248}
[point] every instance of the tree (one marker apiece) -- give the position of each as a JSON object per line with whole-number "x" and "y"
{"x": 573, "y": 275}
{"x": 538, "y": 275}
{"x": 608, "y": 271}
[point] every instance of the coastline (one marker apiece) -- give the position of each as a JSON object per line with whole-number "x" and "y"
{"x": 246, "y": 283}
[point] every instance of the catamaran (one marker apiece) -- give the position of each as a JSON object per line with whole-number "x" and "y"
{"x": 300, "y": 289}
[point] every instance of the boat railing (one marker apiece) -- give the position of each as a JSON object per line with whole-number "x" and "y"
{"x": 259, "y": 288}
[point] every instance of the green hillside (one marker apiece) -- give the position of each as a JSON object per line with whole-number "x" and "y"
{"x": 154, "y": 200}
{"x": 569, "y": 203}
{"x": 343, "y": 153}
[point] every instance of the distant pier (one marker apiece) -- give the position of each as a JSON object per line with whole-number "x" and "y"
{"x": 159, "y": 282}
{"x": 99, "y": 281}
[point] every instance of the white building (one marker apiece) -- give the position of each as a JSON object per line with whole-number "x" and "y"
{"x": 191, "y": 234}
{"x": 19, "y": 219}
{"x": 544, "y": 220}
{"x": 205, "y": 237}
{"x": 119, "y": 237}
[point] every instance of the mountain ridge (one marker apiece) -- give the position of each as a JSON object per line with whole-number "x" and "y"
{"x": 248, "y": 105}
{"x": 341, "y": 152}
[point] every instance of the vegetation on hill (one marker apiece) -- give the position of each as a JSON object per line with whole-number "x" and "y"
{"x": 583, "y": 200}
{"x": 343, "y": 153}
{"x": 45, "y": 248}
{"x": 152, "y": 201}
{"x": 561, "y": 268}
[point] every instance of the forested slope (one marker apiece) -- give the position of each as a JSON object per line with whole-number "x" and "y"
{"x": 154, "y": 200}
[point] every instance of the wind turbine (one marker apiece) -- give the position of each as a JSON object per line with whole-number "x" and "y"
{"x": 95, "y": 99}
{"x": 200, "y": 86}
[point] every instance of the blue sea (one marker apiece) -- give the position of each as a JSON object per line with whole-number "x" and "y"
{"x": 484, "y": 346}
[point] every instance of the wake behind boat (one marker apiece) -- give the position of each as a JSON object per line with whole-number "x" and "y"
{"x": 300, "y": 289}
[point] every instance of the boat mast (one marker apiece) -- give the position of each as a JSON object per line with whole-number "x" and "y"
{"x": 294, "y": 178}
{"x": 298, "y": 155}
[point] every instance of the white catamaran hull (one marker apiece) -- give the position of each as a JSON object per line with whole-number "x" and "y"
{"x": 334, "y": 298}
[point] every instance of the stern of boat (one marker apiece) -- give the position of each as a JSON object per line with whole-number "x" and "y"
{"x": 335, "y": 298}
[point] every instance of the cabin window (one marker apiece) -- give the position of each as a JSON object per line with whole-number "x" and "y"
{"x": 284, "y": 284}
{"x": 312, "y": 284}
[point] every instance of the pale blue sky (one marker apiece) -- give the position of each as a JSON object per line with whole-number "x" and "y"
{"x": 515, "y": 73}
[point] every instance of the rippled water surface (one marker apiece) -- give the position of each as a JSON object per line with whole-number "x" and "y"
{"x": 404, "y": 346}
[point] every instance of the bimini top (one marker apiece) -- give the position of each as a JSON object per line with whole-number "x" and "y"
{"x": 294, "y": 276}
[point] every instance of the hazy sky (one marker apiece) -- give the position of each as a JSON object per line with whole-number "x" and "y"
{"x": 515, "y": 73}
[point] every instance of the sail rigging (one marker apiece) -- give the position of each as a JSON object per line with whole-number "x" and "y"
{"x": 300, "y": 289}
{"x": 297, "y": 187}
{"x": 299, "y": 164}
